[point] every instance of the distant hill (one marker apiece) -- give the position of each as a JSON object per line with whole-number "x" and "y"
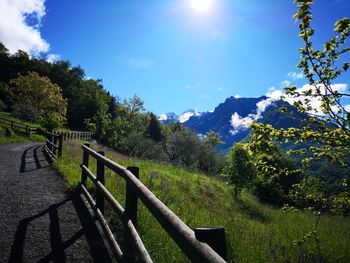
{"x": 231, "y": 118}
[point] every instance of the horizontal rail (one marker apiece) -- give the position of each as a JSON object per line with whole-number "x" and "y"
{"x": 51, "y": 143}
{"x": 115, "y": 247}
{"x": 142, "y": 251}
{"x": 53, "y": 134}
{"x": 50, "y": 152}
{"x": 177, "y": 229}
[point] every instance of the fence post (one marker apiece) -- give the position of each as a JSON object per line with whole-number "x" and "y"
{"x": 131, "y": 197}
{"x": 55, "y": 143}
{"x": 214, "y": 237}
{"x": 50, "y": 138}
{"x": 27, "y": 131}
{"x": 86, "y": 163}
{"x": 60, "y": 145}
{"x": 100, "y": 174}
{"x": 131, "y": 211}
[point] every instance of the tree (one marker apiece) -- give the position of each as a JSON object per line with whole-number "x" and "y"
{"x": 276, "y": 173}
{"x": 328, "y": 128}
{"x": 213, "y": 139}
{"x": 41, "y": 95}
{"x": 239, "y": 169}
{"x": 154, "y": 129}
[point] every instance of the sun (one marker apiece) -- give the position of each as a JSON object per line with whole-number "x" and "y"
{"x": 201, "y": 6}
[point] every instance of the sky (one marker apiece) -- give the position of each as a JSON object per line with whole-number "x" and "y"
{"x": 174, "y": 54}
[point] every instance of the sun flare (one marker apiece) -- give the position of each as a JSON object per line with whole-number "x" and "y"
{"x": 201, "y": 6}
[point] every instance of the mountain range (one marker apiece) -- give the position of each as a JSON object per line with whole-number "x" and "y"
{"x": 231, "y": 118}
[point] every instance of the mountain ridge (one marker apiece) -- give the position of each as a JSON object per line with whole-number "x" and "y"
{"x": 232, "y": 117}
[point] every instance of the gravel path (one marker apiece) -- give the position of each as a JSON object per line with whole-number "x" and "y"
{"x": 39, "y": 220}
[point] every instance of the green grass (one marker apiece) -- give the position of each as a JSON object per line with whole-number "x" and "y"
{"x": 13, "y": 137}
{"x": 255, "y": 232}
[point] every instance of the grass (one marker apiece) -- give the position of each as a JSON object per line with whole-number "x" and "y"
{"x": 255, "y": 232}
{"x": 8, "y": 135}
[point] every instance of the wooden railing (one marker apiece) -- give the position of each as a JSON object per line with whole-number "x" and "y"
{"x": 18, "y": 126}
{"x": 71, "y": 135}
{"x": 53, "y": 144}
{"x": 194, "y": 244}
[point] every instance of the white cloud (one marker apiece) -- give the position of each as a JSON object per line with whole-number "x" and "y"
{"x": 237, "y": 96}
{"x": 314, "y": 101}
{"x": 51, "y": 58}
{"x": 220, "y": 88}
{"x": 295, "y": 76}
{"x": 15, "y": 32}
{"x": 187, "y": 115}
{"x": 163, "y": 117}
{"x": 285, "y": 83}
{"x": 238, "y": 123}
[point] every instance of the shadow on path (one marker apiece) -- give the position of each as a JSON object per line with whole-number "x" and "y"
{"x": 97, "y": 249}
{"x": 34, "y": 158}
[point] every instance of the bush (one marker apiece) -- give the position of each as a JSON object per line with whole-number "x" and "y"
{"x": 25, "y": 112}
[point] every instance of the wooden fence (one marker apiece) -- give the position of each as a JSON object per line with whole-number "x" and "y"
{"x": 71, "y": 135}
{"x": 53, "y": 144}
{"x": 197, "y": 245}
{"x": 18, "y": 126}
{"x": 54, "y": 140}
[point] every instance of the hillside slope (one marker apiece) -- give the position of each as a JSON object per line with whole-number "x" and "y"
{"x": 255, "y": 232}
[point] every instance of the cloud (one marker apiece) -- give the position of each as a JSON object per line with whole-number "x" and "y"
{"x": 295, "y": 76}
{"x": 285, "y": 83}
{"x": 220, "y": 88}
{"x": 187, "y": 115}
{"x": 238, "y": 123}
{"x": 163, "y": 117}
{"x": 51, "y": 58}
{"x": 19, "y": 25}
{"x": 237, "y": 96}
{"x": 315, "y": 102}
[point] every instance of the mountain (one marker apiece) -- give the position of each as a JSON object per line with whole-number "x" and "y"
{"x": 232, "y": 118}
{"x": 167, "y": 118}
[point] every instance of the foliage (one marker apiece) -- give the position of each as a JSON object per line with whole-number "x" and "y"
{"x": 239, "y": 169}
{"x": 84, "y": 96}
{"x": 276, "y": 174}
{"x": 40, "y": 96}
{"x": 7, "y": 95}
{"x": 213, "y": 138}
{"x": 154, "y": 129}
{"x": 327, "y": 129}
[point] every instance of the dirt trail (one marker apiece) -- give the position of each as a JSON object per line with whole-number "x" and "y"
{"x": 39, "y": 220}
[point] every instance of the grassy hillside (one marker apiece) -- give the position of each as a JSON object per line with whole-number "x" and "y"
{"x": 255, "y": 232}
{"x": 11, "y": 136}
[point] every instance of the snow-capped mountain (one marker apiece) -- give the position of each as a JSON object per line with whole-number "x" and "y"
{"x": 167, "y": 118}
{"x": 232, "y": 118}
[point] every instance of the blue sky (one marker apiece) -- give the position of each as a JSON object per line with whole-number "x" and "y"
{"x": 175, "y": 57}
